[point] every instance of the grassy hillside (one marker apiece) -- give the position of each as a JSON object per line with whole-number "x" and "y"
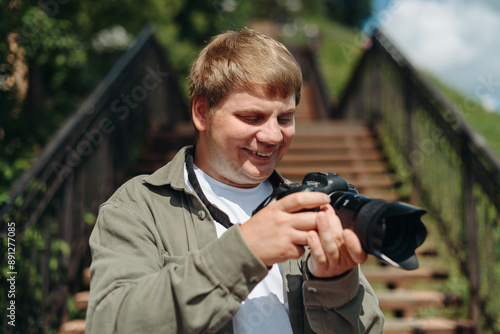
{"x": 484, "y": 122}
{"x": 339, "y": 51}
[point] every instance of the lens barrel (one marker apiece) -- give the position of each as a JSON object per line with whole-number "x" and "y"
{"x": 389, "y": 231}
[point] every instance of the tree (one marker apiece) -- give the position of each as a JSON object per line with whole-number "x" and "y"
{"x": 348, "y": 12}
{"x": 53, "y": 52}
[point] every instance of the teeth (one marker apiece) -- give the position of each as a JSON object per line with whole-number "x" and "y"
{"x": 262, "y": 154}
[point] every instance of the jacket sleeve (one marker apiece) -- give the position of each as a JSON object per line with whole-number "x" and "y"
{"x": 342, "y": 305}
{"x": 134, "y": 290}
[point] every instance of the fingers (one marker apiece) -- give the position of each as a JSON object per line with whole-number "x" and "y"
{"x": 282, "y": 229}
{"x": 333, "y": 236}
{"x": 333, "y": 249}
{"x": 354, "y": 246}
{"x": 300, "y": 237}
{"x": 303, "y": 201}
{"x": 316, "y": 252}
{"x": 279, "y": 231}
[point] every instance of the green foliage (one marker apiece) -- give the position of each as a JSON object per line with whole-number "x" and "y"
{"x": 50, "y": 41}
{"x": 339, "y": 50}
{"x": 89, "y": 218}
{"x": 484, "y": 122}
{"x": 55, "y": 41}
{"x": 38, "y": 253}
{"x": 349, "y": 13}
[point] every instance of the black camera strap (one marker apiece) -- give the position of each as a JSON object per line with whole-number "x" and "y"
{"x": 217, "y": 214}
{"x": 266, "y": 201}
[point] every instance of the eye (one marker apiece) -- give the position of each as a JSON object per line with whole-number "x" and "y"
{"x": 251, "y": 119}
{"x": 286, "y": 118}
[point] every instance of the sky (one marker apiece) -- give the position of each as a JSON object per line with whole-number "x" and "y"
{"x": 456, "y": 40}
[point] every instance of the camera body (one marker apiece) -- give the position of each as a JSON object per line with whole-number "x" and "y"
{"x": 391, "y": 231}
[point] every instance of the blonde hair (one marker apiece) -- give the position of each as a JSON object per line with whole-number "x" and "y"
{"x": 244, "y": 60}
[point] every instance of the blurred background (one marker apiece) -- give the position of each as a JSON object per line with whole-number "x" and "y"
{"x": 54, "y": 52}
{"x": 401, "y": 96}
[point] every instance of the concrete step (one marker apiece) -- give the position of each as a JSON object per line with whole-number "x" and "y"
{"x": 407, "y": 302}
{"x": 335, "y": 166}
{"x": 76, "y": 326}
{"x": 86, "y": 277}
{"x": 348, "y": 149}
{"x": 333, "y": 142}
{"x": 313, "y": 157}
{"x": 81, "y": 300}
{"x": 333, "y": 127}
{"x": 326, "y": 146}
{"x": 427, "y": 326}
{"x": 396, "y": 278}
{"x": 347, "y": 170}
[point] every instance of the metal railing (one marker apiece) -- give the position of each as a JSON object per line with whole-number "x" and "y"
{"x": 52, "y": 207}
{"x": 317, "y": 93}
{"x": 451, "y": 168}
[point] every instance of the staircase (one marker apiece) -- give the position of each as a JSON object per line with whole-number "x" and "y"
{"x": 352, "y": 151}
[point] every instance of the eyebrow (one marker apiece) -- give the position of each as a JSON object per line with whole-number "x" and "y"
{"x": 257, "y": 110}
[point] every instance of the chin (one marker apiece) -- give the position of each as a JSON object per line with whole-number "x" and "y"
{"x": 257, "y": 178}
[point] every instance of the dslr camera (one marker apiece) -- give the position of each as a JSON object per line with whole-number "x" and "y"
{"x": 389, "y": 231}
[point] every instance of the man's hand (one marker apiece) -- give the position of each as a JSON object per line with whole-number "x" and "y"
{"x": 334, "y": 250}
{"x": 279, "y": 231}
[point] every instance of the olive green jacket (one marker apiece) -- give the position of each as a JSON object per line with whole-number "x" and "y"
{"x": 158, "y": 267}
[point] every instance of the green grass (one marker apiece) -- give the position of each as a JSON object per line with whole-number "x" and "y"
{"x": 338, "y": 53}
{"x": 484, "y": 122}
{"x": 339, "y": 50}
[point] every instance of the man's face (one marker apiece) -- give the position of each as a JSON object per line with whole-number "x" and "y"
{"x": 244, "y": 137}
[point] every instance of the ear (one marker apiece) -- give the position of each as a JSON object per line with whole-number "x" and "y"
{"x": 199, "y": 110}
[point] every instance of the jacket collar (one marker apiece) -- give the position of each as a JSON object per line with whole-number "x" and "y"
{"x": 173, "y": 174}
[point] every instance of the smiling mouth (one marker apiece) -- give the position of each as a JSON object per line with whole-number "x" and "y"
{"x": 262, "y": 154}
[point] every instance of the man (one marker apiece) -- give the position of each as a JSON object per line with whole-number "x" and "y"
{"x": 180, "y": 252}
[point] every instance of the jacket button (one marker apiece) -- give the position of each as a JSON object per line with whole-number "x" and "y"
{"x": 201, "y": 215}
{"x": 253, "y": 280}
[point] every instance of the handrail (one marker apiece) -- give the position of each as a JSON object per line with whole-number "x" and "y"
{"x": 453, "y": 116}
{"x": 307, "y": 60}
{"x": 83, "y": 115}
{"x": 57, "y": 199}
{"x": 450, "y": 166}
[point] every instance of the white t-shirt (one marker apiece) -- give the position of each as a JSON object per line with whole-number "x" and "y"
{"x": 266, "y": 308}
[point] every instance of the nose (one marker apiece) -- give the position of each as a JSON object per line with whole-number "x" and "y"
{"x": 270, "y": 132}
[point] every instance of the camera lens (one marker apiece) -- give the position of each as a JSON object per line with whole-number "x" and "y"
{"x": 390, "y": 231}
{"x": 394, "y": 236}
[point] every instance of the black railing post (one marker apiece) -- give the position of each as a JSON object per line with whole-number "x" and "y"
{"x": 411, "y": 133}
{"x": 472, "y": 237}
